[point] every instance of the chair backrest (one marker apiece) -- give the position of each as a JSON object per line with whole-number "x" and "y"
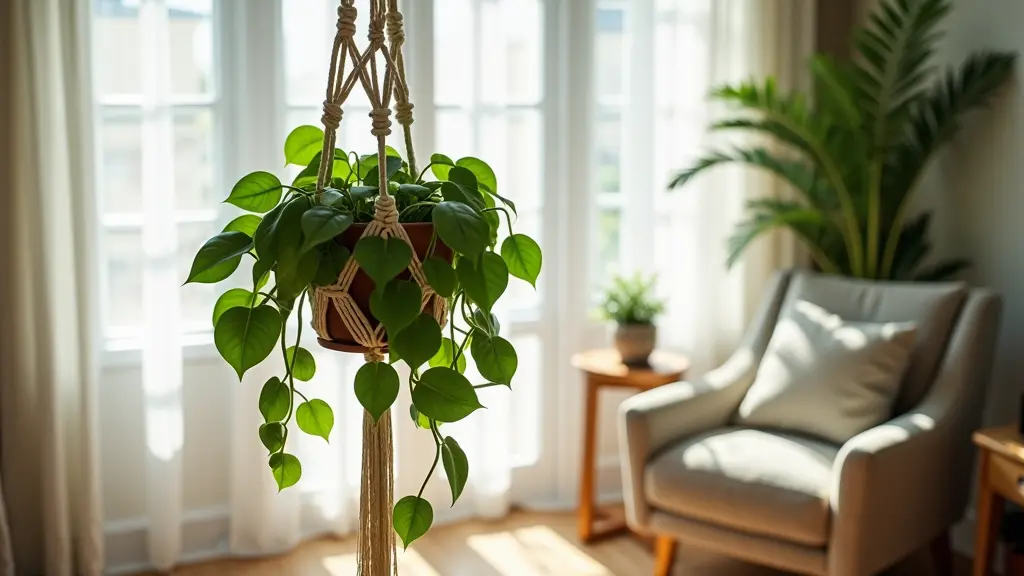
{"x": 932, "y": 307}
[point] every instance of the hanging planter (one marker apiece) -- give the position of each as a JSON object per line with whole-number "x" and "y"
{"x": 392, "y": 261}
{"x": 421, "y": 234}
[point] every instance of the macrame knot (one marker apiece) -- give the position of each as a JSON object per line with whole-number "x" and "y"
{"x": 347, "y": 21}
{"x": 403, "y": 113}
{"x": 376, "y": 34}
{"x": 385, "y": 211}
{"x": 332, "y": 115}
{"x": 381, "y": 125}
{"x": 374, "y": 355}
{"x": 396, "y": 33}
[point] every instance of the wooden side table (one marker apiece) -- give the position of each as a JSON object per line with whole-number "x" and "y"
{"x": 1000, "y": 478}
{"x": 604, "y": 369}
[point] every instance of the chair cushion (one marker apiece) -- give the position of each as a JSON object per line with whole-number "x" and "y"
{"x": 931, "y": 307}
{"x": 759, "y": 482}
{"x": 827, "y": 377}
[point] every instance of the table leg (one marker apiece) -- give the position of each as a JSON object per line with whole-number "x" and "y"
{"x": 586, "y": 505}
{"x": 990, "y": 515}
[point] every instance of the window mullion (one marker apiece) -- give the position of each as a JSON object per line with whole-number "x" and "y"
{"x": 419, "y": 58}
{"x": 638, "y": 138}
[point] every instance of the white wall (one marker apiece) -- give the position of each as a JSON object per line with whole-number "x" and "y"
{"x": 979, "y": 189}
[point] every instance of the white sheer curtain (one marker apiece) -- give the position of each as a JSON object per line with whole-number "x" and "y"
{"x": 699, "y": 44}
{"x": 48, "y": 367}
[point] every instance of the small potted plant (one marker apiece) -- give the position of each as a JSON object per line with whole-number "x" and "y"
{"x": 631, "y": 303}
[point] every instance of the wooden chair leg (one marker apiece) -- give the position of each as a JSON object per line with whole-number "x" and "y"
{"x": 665, "y": 555}
{"x": 942, "y": 555}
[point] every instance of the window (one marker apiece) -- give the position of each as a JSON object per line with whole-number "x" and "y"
{"x": 157, "y": 107}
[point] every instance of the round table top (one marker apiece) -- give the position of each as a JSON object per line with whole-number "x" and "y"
{"x": 663, "y": 367}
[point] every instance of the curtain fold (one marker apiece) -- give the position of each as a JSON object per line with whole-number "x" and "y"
{"x": 48, "y": 356}
{"x": 709, "y": 306}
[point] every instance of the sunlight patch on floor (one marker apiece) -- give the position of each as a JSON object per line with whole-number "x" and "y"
{"x": 534, "y": 551}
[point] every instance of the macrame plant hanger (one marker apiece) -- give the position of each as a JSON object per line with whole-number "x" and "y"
{"x": 376, "y": 535}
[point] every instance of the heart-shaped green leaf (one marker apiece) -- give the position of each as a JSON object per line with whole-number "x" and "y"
{"x": 315, "y": 418}
{"x": 261, "y": 273}
{"x": 412, "y": 518}
{"x": 295, "y": 271}
{"x": 246, "y": 224}
{"x": 272, "y": 435}
{"x": 246, "y": 336}
{"x": 302, "y": 145}
{"x": 275, "y": 399}
{"x": 382, "y": 258}
{"x": 219, "y": 257}
{"x": 461, "y": 228}
{"x": 286, "y": 468}
{"x": 377, "y": 387}
{"x": 304, "y": 366}
{"x": 456, "y": 466}
{"x": 495, "y": 358}
{"x": 257, "y": 192}
{"x": 322, "y": 223}
{"x": 523, "y": 257}
{"x": 415, "y": 191}
{"x": 231, "y": 299}
{"x": 281, "y": 228}
{"x": 481, "y": 171}
{"x": 440, "y": 276}
{"x": 444, "y": 394}
{"x": 333, "y": 257}
{"x": 446, "y": 355}
{"x": 483, "y": 283}
{"x": 453, "y": 192}
{"x": 440, "y": 165}
{"x": 397, "y": 305}
{"x": 372, "y": 176}
{"x": 417, "y": 342}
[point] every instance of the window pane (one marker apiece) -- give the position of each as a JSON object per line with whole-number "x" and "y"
{"x": 117, "y": 42}
{"x": 511, "y": 143}
{"x": 454, "y": 41}
{"x": 511, "y": 68}
{"x": 526, "y": 402}
{"x": 194, "y": 161}
{"x": 190, "y": 32}
{"x": 454, "y": 134}
{"x": 123, "y": 279}
{"x": 610, "y": 51}
{"x": 309, "y": 27}
{"x": 609, "y": 151}
{"x": 121, "y": 162}
{"x": 197, "y": 299}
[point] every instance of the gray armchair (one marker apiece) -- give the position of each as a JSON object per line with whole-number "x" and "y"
{"x": 802, "y": 504}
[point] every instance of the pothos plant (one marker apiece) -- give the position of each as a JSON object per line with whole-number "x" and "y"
{"x": 291, "y": 234}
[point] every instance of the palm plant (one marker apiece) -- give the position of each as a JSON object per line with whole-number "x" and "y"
{"x": 855, "y": 152}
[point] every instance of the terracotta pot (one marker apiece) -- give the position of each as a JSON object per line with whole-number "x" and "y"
{"x": 362, "y": 286}
{"x": 635, "y": 342}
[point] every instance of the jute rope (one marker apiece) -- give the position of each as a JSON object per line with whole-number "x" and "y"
{"x": 386, "y": 37}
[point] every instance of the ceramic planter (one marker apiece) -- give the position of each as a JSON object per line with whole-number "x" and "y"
{"x": 362, "y": 286}
{"x": 635, "y": 342}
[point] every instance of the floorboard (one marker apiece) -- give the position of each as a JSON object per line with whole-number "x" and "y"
{"x": 523, "y": 544}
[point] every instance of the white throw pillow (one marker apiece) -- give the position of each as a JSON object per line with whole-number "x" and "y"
{"x": 827, "y": 377}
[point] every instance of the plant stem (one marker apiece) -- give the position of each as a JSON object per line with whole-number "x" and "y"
{"x": 437, "y": 456}
{"x": 291, "y": 365}
{"x": 488, "y": 385}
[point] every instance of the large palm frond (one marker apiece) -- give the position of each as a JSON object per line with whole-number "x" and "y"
{"x": 767, "y": 214}
{"x": 895, "y": 49}
{"x": 935, "y": 120}
{"x": 788, "y": 118}
{"x": 797, "y": 173}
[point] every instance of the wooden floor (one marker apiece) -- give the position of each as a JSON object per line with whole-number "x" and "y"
{"x": 524, "y": 544}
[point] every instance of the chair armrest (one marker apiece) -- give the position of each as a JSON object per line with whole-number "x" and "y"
{"x": 650, "y": 421}
{"x": 898, "y": 485}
